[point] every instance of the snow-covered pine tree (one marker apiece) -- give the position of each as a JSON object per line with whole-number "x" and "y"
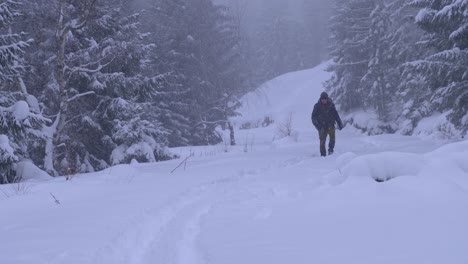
{"x": 214, "y": 83}
{"x": 12, "y": 45}
{"x": 231, "y": 71}
{"x": 350, "y": 27}
{"x": 20, "y": 124}
{"x": 77, "y": 58}
{"x": 445, "y": 71}
{"x": 410, "y": 104}
{"x": 20, "y": 130}
{"x": 380, "y": 82}
{"x": 99, "y": 58}
{"x": 166, "y": 22}
{"x": 196, "y": 56}
{"x": 127, "y": 110}
{"x": 39, "y": 20}
{"x": 244, "y": 50}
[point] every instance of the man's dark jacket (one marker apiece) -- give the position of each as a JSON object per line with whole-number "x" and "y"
{"x": 325, "y": 116}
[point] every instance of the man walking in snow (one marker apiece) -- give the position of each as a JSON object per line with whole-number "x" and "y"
{"x": 324, "y": 118}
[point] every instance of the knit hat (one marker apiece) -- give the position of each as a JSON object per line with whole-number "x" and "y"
{"x": 324, "y": 95}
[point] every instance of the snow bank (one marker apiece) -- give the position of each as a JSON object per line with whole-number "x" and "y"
{"x": 26, "y": 171}
{"x": 344, "y": 159}
{"x": 449, "y": 162}
{"x": 437, "y": 126}
{"x": 369, "y": 123}
{"x": 384, "y": 166}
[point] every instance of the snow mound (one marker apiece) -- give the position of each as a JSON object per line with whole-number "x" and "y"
{"x": 451, "y": 149}
{"x": 344, "y": 159}
{"x": 384, "y": 166}
{"x": 437, "y": 126}
{"x": 368, "y": 122}
{"x": 448, "y": 163}
{"x": 27, "y": 171}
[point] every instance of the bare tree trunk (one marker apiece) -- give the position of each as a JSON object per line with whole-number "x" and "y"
{"x": 231, "y": 134}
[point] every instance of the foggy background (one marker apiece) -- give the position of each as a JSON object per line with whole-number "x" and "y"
{"x": 278, "y": 36}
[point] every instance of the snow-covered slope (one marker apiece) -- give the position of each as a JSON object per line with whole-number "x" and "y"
{"x": 293, "y": 93}
{"x": 383, "y": 199}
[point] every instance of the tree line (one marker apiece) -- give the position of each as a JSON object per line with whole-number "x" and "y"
{"x": 402, "y": 60}
{"x": 86, "y": 84}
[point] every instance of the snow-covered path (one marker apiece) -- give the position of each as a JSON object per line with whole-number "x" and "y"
{"x": 264, "y": 201}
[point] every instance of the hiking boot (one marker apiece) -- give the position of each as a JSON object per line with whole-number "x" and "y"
{"x": 330, "y": 151}
{"x": 323, "y": 154}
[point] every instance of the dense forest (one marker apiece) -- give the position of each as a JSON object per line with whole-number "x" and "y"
{"x": 90, "y": 84}
{"x": 401, "y": 61}
{"x": 87, "y": 84}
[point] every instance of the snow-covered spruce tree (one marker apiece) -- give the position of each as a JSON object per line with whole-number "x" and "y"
{"x": 369, "y": 47}
{"x": 71, "y": 48}
{"x": 19, "y": 124}
{"x": 232, "y": 79}
{"x": 75, "y": 58}
{"x": 406, "y": 46}
{"x": 197, "y": 58}
{"x": 111, "y": 96}
{"x": 128, "y": 110}
{"x": 244, "y": 50}
{"x": 166, "y": 21}
{"x": 380, "y": 82}
{"x": 12, "y": 45}
{"x": 39, "y": 20}
{"x": 445, "y": 71}
{"x": 213, "y": 96}
{"x": 20, "y": 129}
{"x": 350, "y": 27}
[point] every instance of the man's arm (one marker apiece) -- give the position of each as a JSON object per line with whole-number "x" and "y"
{"x": 315, "y": 118}
{"x": 337, "y": 118}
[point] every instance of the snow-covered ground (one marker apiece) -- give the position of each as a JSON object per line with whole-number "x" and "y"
{"x": 267, "y": 200}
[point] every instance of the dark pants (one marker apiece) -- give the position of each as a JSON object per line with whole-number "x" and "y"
{"x": 323, "y": 133}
